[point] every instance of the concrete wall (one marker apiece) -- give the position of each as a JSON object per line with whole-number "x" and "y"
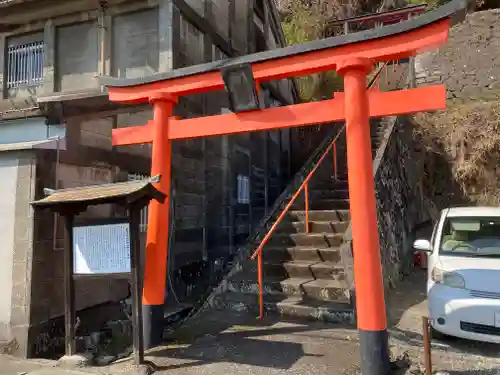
{"x": 8, "y": 185}
{"x": 220, "y": 11}
{"x": 95, "y": 132}
{"x": 134, "y": 119}
{"x": 77, "y": 67}
{"x": 135, "y": 38}
{"x": 16, "y": 228}
{"x": 135, "y": 44}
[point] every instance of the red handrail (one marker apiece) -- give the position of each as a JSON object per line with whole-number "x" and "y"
{"x": 304, "y": 186}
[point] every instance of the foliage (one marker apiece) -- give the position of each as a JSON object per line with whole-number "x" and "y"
{"x": 303, "y": 24}
{"x": 467, "y": 136}
{"x": 308, "y": 20}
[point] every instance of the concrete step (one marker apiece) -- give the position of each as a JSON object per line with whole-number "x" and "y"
{"x": 306, "y": 239}
{"x": 319, "y": 215}
{"x": 327, "y": 173}
{"x": 294, "y": 307}
{"x": 329, "y": 194}
{"x": 329, "y": 204}
{"x": 298, "y": 253}
{"x": 329, "y": 184}
{"x": 332, "y": 312}
{"x": 307, "y": 288}
{"x": 316, "y": 270}
{"x": 321, "y": 290}
{"x": 295, "y": 268}
{"x": 314, "y": 227}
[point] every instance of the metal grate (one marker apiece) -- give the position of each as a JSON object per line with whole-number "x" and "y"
{"x": 143, "y": 226}
{"x": 25, "y": 65}
{"x": 480, "y": 328}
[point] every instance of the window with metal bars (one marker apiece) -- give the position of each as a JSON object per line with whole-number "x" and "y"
{"x": 243, "y": 189}
{"x": 25, "y": 65}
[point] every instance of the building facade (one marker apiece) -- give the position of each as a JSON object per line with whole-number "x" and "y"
{"x": 55, "y": 132}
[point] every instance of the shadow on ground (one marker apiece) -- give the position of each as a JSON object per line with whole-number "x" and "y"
{"x": 242, "y": 339}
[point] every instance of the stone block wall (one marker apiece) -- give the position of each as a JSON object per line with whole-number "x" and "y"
{"x": 469, "y": 63}
{"x": 400, "y": 205}
{"x": 399, "y": 199}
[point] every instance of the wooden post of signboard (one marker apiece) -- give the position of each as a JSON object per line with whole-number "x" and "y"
{"x": 135, "y": 283}
{"x": 69, "y": 286}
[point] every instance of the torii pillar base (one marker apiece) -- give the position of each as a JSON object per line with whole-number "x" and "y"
{"x": 370, "y": 303}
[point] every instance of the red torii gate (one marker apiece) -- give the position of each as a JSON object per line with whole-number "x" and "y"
{"x": 352, "y": 56}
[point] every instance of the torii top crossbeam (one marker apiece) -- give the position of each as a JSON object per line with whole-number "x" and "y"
{"x": 352, "y": 56}
{"x": 383, "y": 44}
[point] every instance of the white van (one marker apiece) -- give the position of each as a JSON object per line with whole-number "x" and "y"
{"x": 463, "y": 283}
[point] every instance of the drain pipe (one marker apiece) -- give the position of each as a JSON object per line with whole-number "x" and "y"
{"x": 103, "y": 5}
{"x": 56, "y": 186}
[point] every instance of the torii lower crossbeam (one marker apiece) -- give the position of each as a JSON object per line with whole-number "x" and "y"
{"x": 353, "y": 57}
{"x": 325, "y": 111}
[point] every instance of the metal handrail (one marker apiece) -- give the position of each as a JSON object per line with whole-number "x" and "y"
{"x": 304, "y": 187}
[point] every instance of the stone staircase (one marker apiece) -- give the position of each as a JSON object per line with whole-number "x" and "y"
{"x": 304, "y": 276}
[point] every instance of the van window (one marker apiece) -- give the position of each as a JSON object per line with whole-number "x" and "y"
{"x": 471, "y": 237}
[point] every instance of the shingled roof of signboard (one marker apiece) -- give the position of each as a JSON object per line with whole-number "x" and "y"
{"x": 121, "y": 192}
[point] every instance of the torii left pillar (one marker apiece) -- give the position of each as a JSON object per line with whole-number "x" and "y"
{"x": 155, "y": 274}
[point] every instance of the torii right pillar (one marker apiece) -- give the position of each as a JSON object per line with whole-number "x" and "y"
{"x": 370, "y": 305}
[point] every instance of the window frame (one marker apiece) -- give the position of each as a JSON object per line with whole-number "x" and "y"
{"x": 24, "y": 62}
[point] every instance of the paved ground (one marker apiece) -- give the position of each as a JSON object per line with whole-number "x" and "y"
{"x": 222, "y": 343}
{"x": 14, "y": 366}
